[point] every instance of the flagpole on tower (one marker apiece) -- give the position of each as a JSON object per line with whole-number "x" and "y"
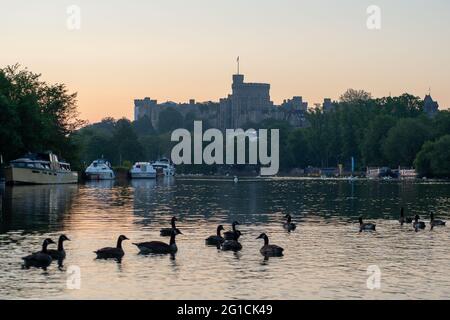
{"x": 238, "y": 65}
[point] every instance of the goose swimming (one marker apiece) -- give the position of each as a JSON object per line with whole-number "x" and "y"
{"x": 418, "y": 224}
{"x": 435, "y": 222}
{"x": 39, "y": 259}
{"x": 233, "y": 234}
{"x": 217, "y": 239}
{"x": 111, "y": 252}
{"x": 289, "y": 225}
{"x": 366, "y": 226}
{"x": 59, "y": 253}
{"x": 269, "y": 250}
{"x": 158, "y": 247}
{"x": 232, "y": 245}
{"x": 166, "y": 232}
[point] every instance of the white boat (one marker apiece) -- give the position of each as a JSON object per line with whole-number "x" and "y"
{"x": 39, "y": 168}
{"x": 164, "y": 167}
{"x": 143, "y": 170}
{"x": 100, "y": 169}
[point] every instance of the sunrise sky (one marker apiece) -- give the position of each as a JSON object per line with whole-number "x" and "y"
{"x": 181, "y": 49}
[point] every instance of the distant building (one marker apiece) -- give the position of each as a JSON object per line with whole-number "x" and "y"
{"x": 327, "y": 105}
{"x": 430, "y": 107}
{"x": 248, "y": 103}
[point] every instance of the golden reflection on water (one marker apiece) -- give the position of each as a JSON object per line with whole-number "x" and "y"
{"x": 326, "y": 257}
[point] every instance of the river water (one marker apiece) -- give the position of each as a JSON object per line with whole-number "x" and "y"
{"x": 325, "y": 258}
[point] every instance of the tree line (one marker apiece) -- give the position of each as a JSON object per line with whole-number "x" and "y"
{"x": 388, "y": 131}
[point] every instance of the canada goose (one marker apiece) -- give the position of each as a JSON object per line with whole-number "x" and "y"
{"x": 288, "y": 225}
{"x": 158, "y": 247}
{"x": 217, "y": 239}
{"x": 269, "y": 250}
{"x": 366, "y": 226}
{"x": 59, "y": 253}
{"x": 232, "y": 245}
{"x": 166, "y": 232}
{"x": 404, "y": 219}
{"x": 418, "y": 224}
{"x": 39, "y": 259}
{"x": 231, "y": 235}
{"x": 435, "y": 222}
{"x": 110, "y": 252}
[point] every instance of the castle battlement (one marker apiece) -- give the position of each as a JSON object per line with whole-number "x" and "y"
{"x": 248, "y": 103}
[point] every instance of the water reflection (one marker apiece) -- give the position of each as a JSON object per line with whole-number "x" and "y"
{"x": 35, "y": 208}
{"x": 325, "y": 257}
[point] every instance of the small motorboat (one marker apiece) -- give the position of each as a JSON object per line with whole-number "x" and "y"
{"x": 143, "y": 170}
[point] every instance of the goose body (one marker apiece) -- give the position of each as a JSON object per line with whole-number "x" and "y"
{"x": 233, "y": 244}
{"x": 166, "y": 232}
{"x": 159, "y": 247}
{"x": 270, "y": 250}
{"x": 366, "y": 226}
{"x": 39, "y": 259}
{"x": 289, "y": 225}
{"x": 404, "y": 219}
{"x": 215, "y": 240}
{"x": 60, "y": 253}
{"x": 418, "y": 225}
{"x": 112, "y": 252}
{"x": 233, "y": 234}
{"x": 435, "y": 222}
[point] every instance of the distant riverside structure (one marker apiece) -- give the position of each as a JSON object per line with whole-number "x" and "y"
{"x": 248, "y": 103}
{"x": 430, "y": 106}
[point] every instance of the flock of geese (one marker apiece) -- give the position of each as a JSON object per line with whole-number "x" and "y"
{"x": 228, "y": 241}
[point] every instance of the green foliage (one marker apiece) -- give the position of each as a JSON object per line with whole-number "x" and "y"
{"x": 433, "y": 160}
{"x": 35, "y": 115}
{"x": 404, "y": 141}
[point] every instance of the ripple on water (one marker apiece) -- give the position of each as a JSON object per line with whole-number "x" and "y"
{"x": 326, "y": 257}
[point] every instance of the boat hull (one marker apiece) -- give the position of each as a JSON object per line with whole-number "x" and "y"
{"x": 143, "y": 175}
{"x": 38, "y": 176}
{"x": 100, "y": 176}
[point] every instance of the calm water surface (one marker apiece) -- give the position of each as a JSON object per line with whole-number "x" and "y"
{"x": 326, "y": 257}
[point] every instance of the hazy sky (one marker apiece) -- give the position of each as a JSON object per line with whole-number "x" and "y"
{"x": 181, "y": 49}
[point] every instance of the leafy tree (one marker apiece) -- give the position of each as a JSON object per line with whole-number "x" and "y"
{"x": 126, "y": 143}
{"x": 404, "y": 141}
{"x": 143, "y": 126}
{"x": 353, "y": 96}
{"x": 433, "y": 160}
{"x": 35, "y": 115}
{"x": 375, "y": 135}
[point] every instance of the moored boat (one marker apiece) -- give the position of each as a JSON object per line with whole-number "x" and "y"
{"x": 143, "y": 170}
{"x": 39, "y": 168}
{"x": 100, "y": 169}
{"x": 164, "y": 167}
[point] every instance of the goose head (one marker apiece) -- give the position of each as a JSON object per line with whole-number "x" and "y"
{"x": 360, "y": 219}
{"x": 48, "y": 241}
{"x": 176, "y": 232}
{"x": 416, "y": 218}
{"x": 63, "y": 237}
{"x": 262, "y": 236}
